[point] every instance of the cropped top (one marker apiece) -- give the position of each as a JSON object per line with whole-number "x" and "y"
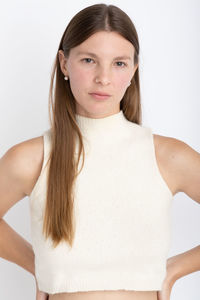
{"x": 122, "y": 209}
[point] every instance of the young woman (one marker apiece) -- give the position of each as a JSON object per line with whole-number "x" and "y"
{"x": 100, "y": 183}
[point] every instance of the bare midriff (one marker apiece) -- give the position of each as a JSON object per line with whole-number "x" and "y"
{"x": 106, "y": 295}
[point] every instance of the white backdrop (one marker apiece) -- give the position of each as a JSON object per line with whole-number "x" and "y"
{"x": 169, "y": 39}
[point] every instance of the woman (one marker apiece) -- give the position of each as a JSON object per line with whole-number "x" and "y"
{"x": 101, "y": 231}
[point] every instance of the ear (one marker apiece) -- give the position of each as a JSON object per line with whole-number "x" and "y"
{"x": 63, "y": 62}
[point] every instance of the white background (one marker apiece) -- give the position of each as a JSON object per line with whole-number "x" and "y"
{"x": 30, "y": 32}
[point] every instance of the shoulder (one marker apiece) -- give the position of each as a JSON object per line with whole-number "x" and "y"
{"x": 166, "y": 147}
{"x": 23, "y": 161}
{"x": 181, "y": 164}
{"x": 174, "y": 151}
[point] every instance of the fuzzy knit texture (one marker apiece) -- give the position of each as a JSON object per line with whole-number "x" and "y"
{"x": 123, "y": 214}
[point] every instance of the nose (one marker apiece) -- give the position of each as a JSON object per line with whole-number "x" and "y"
{"x": 103, "y": 76}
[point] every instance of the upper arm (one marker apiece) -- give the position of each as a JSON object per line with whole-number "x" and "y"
{"x": 19, "y": 168}
{"x": 183, "y": 163}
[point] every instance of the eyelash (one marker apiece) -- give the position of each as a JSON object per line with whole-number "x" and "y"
{"x": 118, "y": 61}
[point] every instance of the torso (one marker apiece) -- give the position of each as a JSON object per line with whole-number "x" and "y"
{"x": 107, "y": 295}
{"x": 162, "y": 154}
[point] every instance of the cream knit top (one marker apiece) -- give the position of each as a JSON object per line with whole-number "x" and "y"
{"x": 123, "y": 214}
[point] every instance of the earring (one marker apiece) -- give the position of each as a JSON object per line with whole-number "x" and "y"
{"x": 66, "y": 77}
{"x": 129, "y": 83}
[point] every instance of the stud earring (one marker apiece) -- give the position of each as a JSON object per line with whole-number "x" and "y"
{"x": 66, "y": 77}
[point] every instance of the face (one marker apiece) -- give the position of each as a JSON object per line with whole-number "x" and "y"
{"x": 104, "y": 63}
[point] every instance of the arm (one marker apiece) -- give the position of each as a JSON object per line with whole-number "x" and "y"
{"x": 184, "y": 162}
{"x": 178, "y": 266}
{"x": 183, "y": 166}
{"x": 183, "y": 264}
{"x": 15, "y": 248}
{"x": 17, "y": 171}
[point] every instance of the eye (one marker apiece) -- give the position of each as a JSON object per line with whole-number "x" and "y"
{"x": 86, "y": 59}
{"x": 122, "y": 63}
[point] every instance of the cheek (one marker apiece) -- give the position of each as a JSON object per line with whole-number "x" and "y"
{"x": 80, "y": 77}
{"x": 121, "y": 81}
{"x": 79, "y": 82}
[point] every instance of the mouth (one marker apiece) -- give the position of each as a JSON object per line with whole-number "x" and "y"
{"x": 100, "y": 93}
{"x": 99, "y": 96}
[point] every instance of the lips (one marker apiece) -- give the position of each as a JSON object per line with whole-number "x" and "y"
{"x": 100, "y": 94}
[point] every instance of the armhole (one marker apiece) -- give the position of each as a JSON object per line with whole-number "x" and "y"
{"x": 157, "y": 170}
{"x": 46, "y": 152}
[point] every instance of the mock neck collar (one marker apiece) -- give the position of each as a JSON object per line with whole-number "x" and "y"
{"x": 106, "y": 124}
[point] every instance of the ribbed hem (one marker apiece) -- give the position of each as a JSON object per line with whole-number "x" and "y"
{"x": 137, "y": 284}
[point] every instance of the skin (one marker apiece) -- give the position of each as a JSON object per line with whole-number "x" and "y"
{"x": 21, "y": 165}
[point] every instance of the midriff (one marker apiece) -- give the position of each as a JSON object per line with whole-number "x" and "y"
{"x": 106, "y": 295}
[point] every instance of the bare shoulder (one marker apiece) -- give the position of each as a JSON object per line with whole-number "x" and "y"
{"x": 180, "y": 165}
{"x": 24, "y": 161}
{"x": 19, "y": 169}
{"x": 172, "y": 150}
{"x": 166, "y": 147}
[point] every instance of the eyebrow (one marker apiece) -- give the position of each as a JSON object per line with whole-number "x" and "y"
{"x": 94, "y": 55}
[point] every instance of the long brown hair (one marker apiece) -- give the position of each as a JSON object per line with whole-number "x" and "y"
{"x": 59, "y": 221}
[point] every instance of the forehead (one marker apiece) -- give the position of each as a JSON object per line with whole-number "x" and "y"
{"x": 104, "y": 43}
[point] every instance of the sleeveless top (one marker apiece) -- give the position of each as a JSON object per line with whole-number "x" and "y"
{"x": 123, "y": 214}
